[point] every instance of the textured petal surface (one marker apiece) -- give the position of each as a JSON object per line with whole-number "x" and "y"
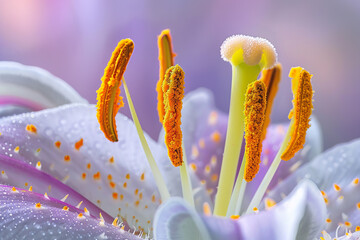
{"x": 300, "y": 216}
{"x": 114, "y": 176}
{"x": 341, "y": 166}
{"x": 22, "y": 218}
{"x": 204, "y": 131}
{"x": 25, "y": 88}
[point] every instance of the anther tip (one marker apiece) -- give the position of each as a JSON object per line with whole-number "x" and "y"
{"x": 255, "y": 50}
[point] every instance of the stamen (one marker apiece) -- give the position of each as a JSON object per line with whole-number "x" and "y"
{"x": 109, "y": 99}
{"x": 255, "y": 104}
{"x": 301, "y": 112}
{"x": 166, "y": 60}
{"x": 271, "y": 77}
{"x": 300, "y": 117}
{"x": 247, "y": 56}
{"x": 173, "y": 88}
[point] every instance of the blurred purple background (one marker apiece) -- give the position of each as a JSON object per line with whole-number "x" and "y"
{"x": 74, "y": 41}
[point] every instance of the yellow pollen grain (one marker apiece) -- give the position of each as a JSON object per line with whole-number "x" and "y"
{"x": 109, "y": 177}
{"x": 112, "y": 184}
{"x": 38, "y": 150}
{"x": 326, "y": 200}
{"x": 146, "y": 206}
{"x": 235, "y": 217}
{"x": 271, "y": 77}
{"x": 194, "y": 151}
{"x": 216, "y": 137}
{"x": 67, "y": 158}
{"x": 337, "y": 187}
{"x": 255, "y": 209}
{"x": 127, "y": 176}
{"x": 65, "y": 208}
{"x": 214, "y": 177}
{"x": 347, "y": 224}
{"x": 121, "y": 197}
{"x": 88, "y": 166}
{"x": 136, "y": 191}
{"x": 26, "y": 184}
{"x": 323, "y": 193}
{"x": 13, "y": 189}
{"x": 255, "y": 104}
{"x": 30, "y": 189}
{"x": 16, "y": 150}
{"x": 193, "y": 166}
{"x": 202, "y": 143}
{"x": 31, "y": 128}
{"x": 173, "y": 92}
{"x": 357, "y": 229}
{"x": 83, "y": 176}
{"x": 115, "y": 195}
{"x": 140, "y": 196}
{"x": 137, "y": 202}
{"x": 358, "y": 205}
{"x": 328, "y": 220}
{"x": 301, "y": 112}
{"x": 125, "y": 185}
{"x": 166, "y": 60}
{"x": 355, "y": 181}
{"x": 213, "y": 117}
{"x": 109, "y": 100}
{"x": 80, "y": 215}
{"x": 153, "y": 199}
{"x": 206, "y": 209}
{"x": 207, "y": 169}
{"x": 111, "y": 160}
{"x": 269, "y": 203}
{"x": 203, "y": 182}
{"x": 142, "y": 177}
{"x": 97, "y": 176}
{"x": 57, "y": 144}
{"x": 38, "y": 205}
{"x": 79, "y": 144}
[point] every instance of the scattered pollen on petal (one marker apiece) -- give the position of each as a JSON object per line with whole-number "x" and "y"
{"x": 271, "y": 77}
{"x": 30, "y": 189}
{"x": 38, "y": 165}
{"x": 114, "y": 223}
{"x": 67, "y": 158}
{"x": 213, "y": 117}
{"x": 111, "y": 160}
{"x": 38, "y": 205}
{"x": 112, "y": 184}
{"x": 337, "y": 187}
{"x": 347, "y": 224}
{"x": 355, "y": 181}
{"x": 109, "y": 100}
{"x": 234, "y": 217}
{"x": 13, "y": 189}
{"x": 206, "y": 209}
{"x": 358, "y": 205}
{"x": 97, "y": 176}
{"x": 16, "y": 150}
{"x": 166, "y": 60}
{"x": 328, "y": 220}
{"x": 301, "y": 112}
{"x": 80, "y": 216}
{"x": 31, "y": 128}
{"x": 86, "y": 211}
{"x": 255, "y": 210}
{"x": 216, "y": 137}
{"x": 127, "y": 176}
{"x": 193, "y": 166}
{"x": 57, "y": 144}
{"x": 173, "y": 89}
{"x": 88, "y": 166}
{"x": 115, "y": 195}
{"x": 142, "y": 177}
{"x": 269, "y": 203}
{"x": 79, "y": 144}
{"x": 83, "y": 176}
{"x": 357, "y": 229}
{"x": 255, "y": 104}
{"x": 65, "y": 208}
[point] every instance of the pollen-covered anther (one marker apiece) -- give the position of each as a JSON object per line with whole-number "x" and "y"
{"x": 166, "y": 60}
{"x": 255, "y": 104}
{"x": 109, "y": 100}
{"x": 173, "y": 89}
{"x": 31, "y": 128}
{"x": 79, "y": 144}
{"x": 215, "y": 137}
{"x": 301, "y": 112}
{"x": 328, "y": 220}
{"x": 251, "y": 50}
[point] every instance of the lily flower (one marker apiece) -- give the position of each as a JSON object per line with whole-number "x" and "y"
{"x": 63, "y": 179}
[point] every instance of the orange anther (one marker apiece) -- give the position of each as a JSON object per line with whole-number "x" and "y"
{"x": 108, "y": 95}
{"x": 166, "y": 60}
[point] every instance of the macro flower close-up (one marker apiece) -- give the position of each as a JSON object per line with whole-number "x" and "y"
{"x": 76, "y": 167}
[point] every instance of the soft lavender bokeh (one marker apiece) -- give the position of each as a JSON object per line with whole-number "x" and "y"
{"x": 74, "y": 40}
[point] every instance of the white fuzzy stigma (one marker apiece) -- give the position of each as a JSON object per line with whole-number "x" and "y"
{"x": 253, "y": 50}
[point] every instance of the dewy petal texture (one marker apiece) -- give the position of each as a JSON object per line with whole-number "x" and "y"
{"x": 33, "y": 88}
{"x": 114, "y": 176}
{"x": 303, "y": 210}
{"x": 336, "y": 173}
{"x": 28, "y": 215}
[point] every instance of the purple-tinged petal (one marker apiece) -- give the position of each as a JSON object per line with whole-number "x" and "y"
{"x": 300, "y": 216}
{"x": 31, "y": 88}
{"x": 204, "y": 132}
{"x": 341, "y": 166}
{"x": 114, "y": 176}
{"x": 28, "y": 215}
{"x": 20, "y": 174}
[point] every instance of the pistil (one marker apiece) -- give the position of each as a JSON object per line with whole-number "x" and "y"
{"x": 247, "y": 56}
